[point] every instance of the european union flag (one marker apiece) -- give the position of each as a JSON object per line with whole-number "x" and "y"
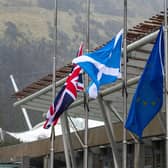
{"x": 148, "y": 98}
{"x": 102, "y": 65}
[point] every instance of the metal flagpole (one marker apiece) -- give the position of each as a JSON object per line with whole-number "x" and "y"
{"x": 125, "y": 87}
{"x": 52, "y": 148}
{"x": 85, "y": 95}
{"x": 166, "y": 77}
{"x": 53, "y": 88}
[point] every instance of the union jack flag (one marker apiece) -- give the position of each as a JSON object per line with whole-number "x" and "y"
{"x": 67, "y": 94}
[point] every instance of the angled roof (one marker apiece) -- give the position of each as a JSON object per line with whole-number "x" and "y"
{"x": 140, "y": 39}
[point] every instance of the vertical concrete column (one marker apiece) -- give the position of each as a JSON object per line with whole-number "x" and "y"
{"x": 46, "y": 161}
{"x": 162, "y": 154}
{"x": 139, "y": 155}
{"x": 90, "y": 159}
{"x": 25, "y": 162}
{"x": 158, "y": 154}
{"x": 136, "y": 155}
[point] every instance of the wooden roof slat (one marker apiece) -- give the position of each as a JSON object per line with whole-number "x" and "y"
{"x": 152, "y": 25}
{"x": 60, "y": 75}
{"x": 138, "y": 31}
{"x": 153, "y": 22}
{"x": 156, "y": 19}
{"x": 65, "y": 70}
{"x": 162, "y": 12}
{"x": 47, "y": 78}
{"x": 35, "y": 85}
{"x": 131, "y": 31}
{"x": 42, "y": 82}
{"x": 27, "y": 90}
{"x": 159, "y": 16}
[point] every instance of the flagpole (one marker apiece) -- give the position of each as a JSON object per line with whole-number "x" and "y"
{"x": 53, "y": 87}
{"x": 166, "y": 77}
{"x": 85, "y": 95}
{"x": 124, "y": 162}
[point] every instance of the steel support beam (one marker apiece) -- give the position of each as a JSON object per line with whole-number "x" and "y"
{"x": 40, "y": 92}
{"x": 69, "y": 140}
{"x": 28, "y": 122}
{"x": 109, "y": 133}
{"x": 64, "y": 138}
{"x": 114, "y": 110}
{"x": 76, "y": 133}
{"x": 105, "y": 92}
{"x": 138, "y": 155}
{"x": 162, "y": 121}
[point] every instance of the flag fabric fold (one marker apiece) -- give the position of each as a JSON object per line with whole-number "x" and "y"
{"x": 102, "y": 65}
{"x": 67, "y": 95}
{"x": 148, "y": 98}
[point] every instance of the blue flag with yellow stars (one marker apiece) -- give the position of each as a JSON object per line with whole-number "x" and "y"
{"x": 148, "y": 98}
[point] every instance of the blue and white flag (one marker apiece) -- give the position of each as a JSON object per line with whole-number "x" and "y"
{"x": 102, "y": 65}
{"x": 148, "y": 98}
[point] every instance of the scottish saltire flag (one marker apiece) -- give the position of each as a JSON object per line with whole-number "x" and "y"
{"x": 67, "y": 94}
{"x": 148, "y": 97}
{"x": 102, "y": 65}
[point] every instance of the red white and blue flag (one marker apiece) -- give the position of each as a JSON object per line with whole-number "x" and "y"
{"x": 67, "y": 94}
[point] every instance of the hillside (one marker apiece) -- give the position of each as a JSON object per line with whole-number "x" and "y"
{"x": 27, "y": 40}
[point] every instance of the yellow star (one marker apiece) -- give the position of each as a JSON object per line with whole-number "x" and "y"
{"x": 145, "y": 103}
{"x": 153, "y": 103}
